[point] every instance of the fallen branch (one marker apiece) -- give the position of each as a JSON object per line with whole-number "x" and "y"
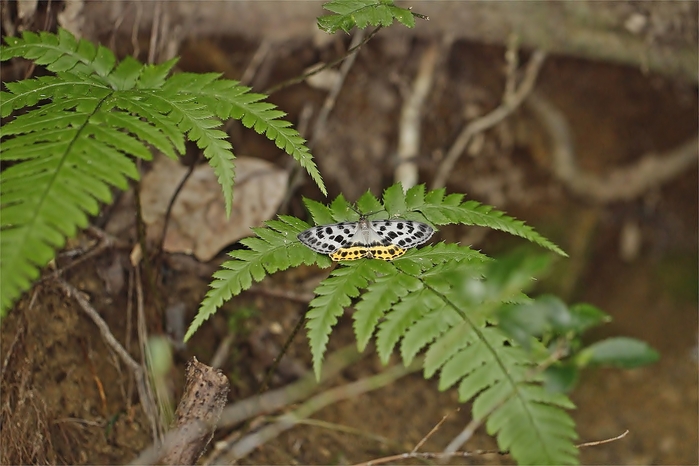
{"x": 246, "y": 445}
{"x": 620, "y": 184}
{"x": 465, "y": 454}
{"x": 510, "y": 104}
{"x": 205, "y": 394}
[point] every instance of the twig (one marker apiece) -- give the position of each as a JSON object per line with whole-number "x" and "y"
{"x": 127, "y": 336}
{"x": 108, "y": 337}
{"x": 426, "y": 456}
{"x": 173, "y": 198}
{"x": 155, "y": 32}
{"x": 106, "y": 241}
{"x": 359, "y": 432}
{"x": 464, "y": 454}
{"x": 298, "y": 174}
{"x": 135, "y": 29}
{"x": 205, "y": 394}
{"x": 19, "y": 333}
{"x": 509, "y": 105}
{"x": 149, "y": 268}
{"x": 275, "y": 364}
{"x": 601, "y": 442}
{"x": 410, "y": 119}
{"x": 222, "y": 351}
{"x": 430, "y": 433}
{"x": 257, "y": 59}
{"x": 304, "y": 76}
{"x": 331, "y": 98}
{"x": 619, "y": 184}
{"x": 95, "y": 377}
{"x": 247, "y": 444}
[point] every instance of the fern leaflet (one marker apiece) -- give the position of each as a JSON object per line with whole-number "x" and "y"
{"x": 361, "y": 13}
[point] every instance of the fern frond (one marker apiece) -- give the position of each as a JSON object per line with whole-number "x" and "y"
{"x": 442, "y": 299}
{"x": 386, "y": 290}
{"x": 531, "y": 424}
{"x": 60, "y": 52}
{"x": 333, "y": 295}
{"x": 443, "y": 210}
{"x": 275, "y": 248}
{"x": 361, "y": 13}
{"x": 91, "y": 118}
{"x": 499, "y": 375}
{"x": 231, "y": 100}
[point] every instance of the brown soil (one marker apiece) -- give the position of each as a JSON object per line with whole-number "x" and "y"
{"x": 55, "y": 361}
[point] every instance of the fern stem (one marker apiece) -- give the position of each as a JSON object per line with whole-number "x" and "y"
{"x": 298, "y": 79}
{"x": 173, "y": 198}
{"x": 149, "y": 271}
{"x": 277, "y": 360}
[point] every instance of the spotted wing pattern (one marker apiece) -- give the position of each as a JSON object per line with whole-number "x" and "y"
{"x": 327, "y": 239}
{"x": 377, "y": 239}
{"x": 387, "y": 253}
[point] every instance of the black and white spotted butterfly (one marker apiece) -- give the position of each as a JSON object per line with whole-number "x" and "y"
{"x": 377, "y": 239}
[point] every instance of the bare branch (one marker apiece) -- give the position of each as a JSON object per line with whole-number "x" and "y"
{"x": 509, "y": 105}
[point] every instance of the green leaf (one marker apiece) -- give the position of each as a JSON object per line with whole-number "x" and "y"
{"x": 623, "y": 352}
{"x": 394, "y": 199}
{"x": 368, "y": 204}
{"x": 561, "y": 377}
{"x": 321, "y": 214}
{"x": 333, "y": 295}
{"x": 361, "y": 13}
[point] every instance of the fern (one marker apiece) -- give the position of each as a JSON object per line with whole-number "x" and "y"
{"x": 83, "y": 126}
{"x": 362, "y": 13}
{"x": 442, "y": 298}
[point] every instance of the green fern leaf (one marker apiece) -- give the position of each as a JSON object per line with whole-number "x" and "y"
{"x": 333, "y": 295}
{"x": 155, "y": 76}
{"x": 126, "y": 74}
{"x": 426, "y": 330}
{"x": 378, "y": 298}
{"x": 415, "y": 197}
{"x": 531, "y": 424}
{"x": 234, "y": 100}
{"x": 152, "y": 110}
{"x": 321, "y": 214}
{"x": 275, "y": 248}
{"x": 361, "y": 13}
{"x": 394, "y": 200}
{"x": 401, "y": 317}
{"x": 442, "y": 210}
{"x": 367, "y": 202}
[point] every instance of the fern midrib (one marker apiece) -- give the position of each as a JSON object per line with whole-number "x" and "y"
{"x": 49, "y": 185}
{"x": 515, "y": 389}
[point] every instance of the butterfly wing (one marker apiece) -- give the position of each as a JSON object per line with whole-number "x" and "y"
{"x": 402, "y": 233}
{"x": 327, "y": 239}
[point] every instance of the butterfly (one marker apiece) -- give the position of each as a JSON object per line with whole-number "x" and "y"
{"x": 375, "y": 239}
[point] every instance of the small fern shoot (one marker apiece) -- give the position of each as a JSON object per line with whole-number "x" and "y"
{"x": 82, "y": 127}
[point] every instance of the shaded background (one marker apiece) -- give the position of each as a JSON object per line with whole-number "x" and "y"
{"x": 621, "y": 77}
